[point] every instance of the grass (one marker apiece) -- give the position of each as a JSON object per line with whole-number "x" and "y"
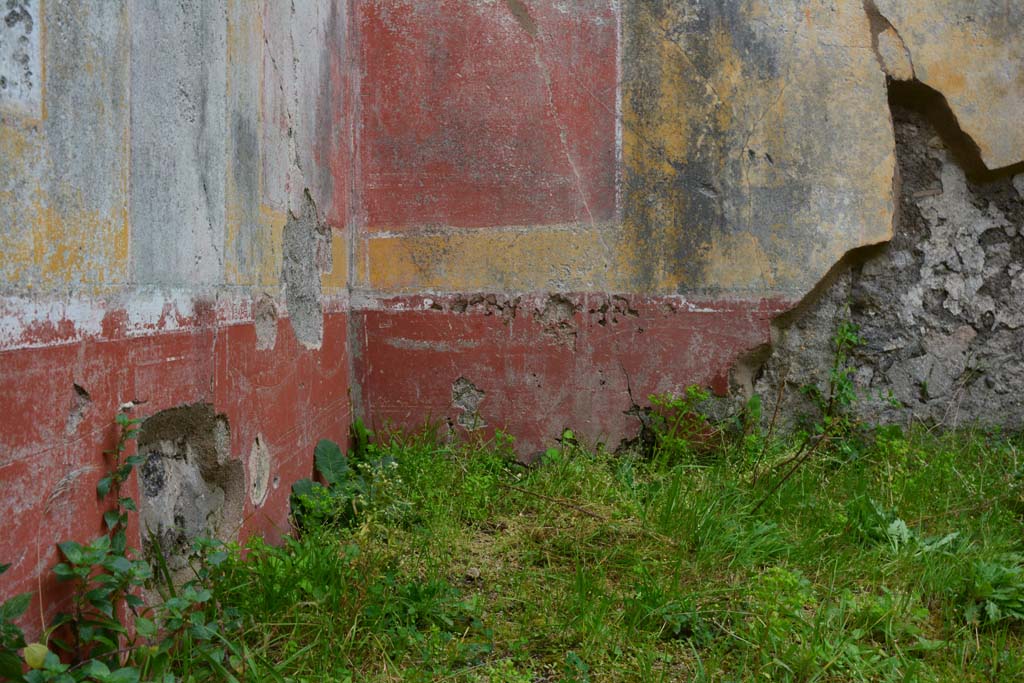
{"x": 883, "y": 558}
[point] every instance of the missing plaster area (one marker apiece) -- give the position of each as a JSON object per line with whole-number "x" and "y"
{"x": 307, "y": 253}
{"x": 467, "y": 397}
{"x": 498, "y": 305}
{"x": 558, "y": 319}
{"x": 941, "y": 307}
{"x": 612, "y": 310}
{"x": 80, "y": 402}
{"x": 189, "y": 486}
{"x": 265, "y": 321}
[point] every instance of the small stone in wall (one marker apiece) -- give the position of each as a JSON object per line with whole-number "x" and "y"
{"x": 894, "y": 55}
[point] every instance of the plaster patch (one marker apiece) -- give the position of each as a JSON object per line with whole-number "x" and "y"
{"x": 259, "y": 471}
{"x": 265, "y": 320}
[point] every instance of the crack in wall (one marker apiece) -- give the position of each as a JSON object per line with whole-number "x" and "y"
{"x": 522, "y": 15}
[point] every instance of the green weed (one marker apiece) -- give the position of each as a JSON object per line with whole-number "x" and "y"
{"x": 900, "y": 564}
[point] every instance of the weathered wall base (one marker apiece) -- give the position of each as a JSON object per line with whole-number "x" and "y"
{"x": 533, "y": 365}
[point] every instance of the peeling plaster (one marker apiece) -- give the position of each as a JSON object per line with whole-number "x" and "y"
{"x": 80, "y": 402}
{"x": 259, "y": 471}
{"x": 972, "y": 53}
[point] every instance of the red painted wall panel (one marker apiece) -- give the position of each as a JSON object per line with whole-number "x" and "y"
{"x": 473, "y": 117}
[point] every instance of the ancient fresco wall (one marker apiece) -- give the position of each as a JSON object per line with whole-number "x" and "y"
{"x": 173, "y": 233}
{"x": 256, "y": 219}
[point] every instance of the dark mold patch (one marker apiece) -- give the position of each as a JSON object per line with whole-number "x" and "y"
{"x": 245, "y": 169}
{"x": 330, "y": 132}
{"x": 522, "y": 15}
{"x": 674, "y": 208}
{"x": 18, "y": 81}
